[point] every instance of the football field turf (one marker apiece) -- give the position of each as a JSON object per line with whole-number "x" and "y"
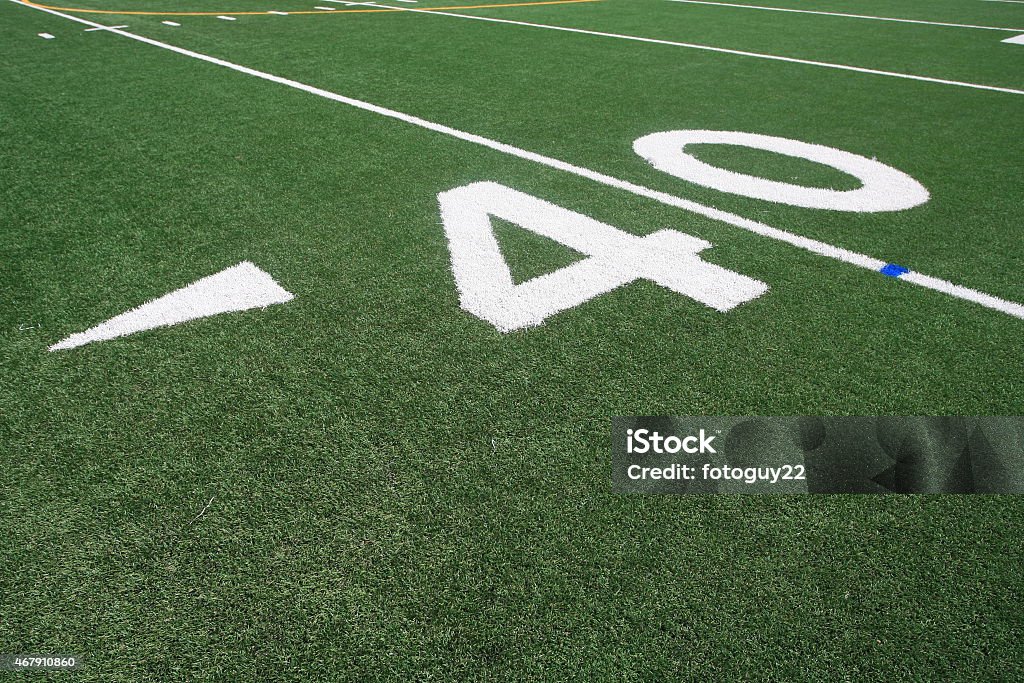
{"x": 381, "y": 469}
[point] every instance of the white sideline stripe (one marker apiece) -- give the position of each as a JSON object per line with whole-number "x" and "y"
{"x": 170, "y": 23}
{"x": 1016, "y": 40}
{"x": 709, "y": 48}
{"x": 849, "y": 16}
{"x": 814, "y": 246}
{"x": 46, "y": 36}
{"x": 239, "y": 288}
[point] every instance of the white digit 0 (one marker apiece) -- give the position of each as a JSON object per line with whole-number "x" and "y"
{"x": 883, "y": 187}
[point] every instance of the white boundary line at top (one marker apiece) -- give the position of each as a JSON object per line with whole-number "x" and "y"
{"x": 709, "y": 48}
{"x": 848, "y": 16}
{"x": 806, "y": 243}
{"x": 1012, "y": 2}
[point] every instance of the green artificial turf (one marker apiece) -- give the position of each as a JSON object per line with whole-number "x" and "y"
{"x": 368, "y": 483}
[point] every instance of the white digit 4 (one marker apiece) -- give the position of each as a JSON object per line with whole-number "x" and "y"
{"x": 614, "y": 258}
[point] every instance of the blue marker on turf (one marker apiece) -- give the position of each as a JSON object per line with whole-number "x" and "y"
{"x": 893, "y": 270}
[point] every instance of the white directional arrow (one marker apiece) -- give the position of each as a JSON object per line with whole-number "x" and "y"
{"x": 1016, "y": 40}
{"x": 238, "y": 288}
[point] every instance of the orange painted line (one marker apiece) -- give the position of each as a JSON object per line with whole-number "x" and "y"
{"x": 79, "y": 10}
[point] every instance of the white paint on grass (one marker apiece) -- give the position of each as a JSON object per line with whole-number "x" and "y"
{"x": 615, "y": 258}
{"x": 965, "y": 293}
{"x": 283, "y": 14}
{"x": 814, "y": 246}
{"x": 221, "y": 16}
{"x": 105, "y": 28}
{"x": 46, "y": 36}
{"x": 710, "y": 48}
{"x": 238, "y": 288}
{"x": 326, "y": 9}
{"x": 170, "y": 23}
{"x": 1016, "y": 40}
{"x": 883, "y": 187}
{"x": 847, "y": 16}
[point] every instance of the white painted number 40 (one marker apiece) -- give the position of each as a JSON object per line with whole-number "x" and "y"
{"x": 614, "y": 258}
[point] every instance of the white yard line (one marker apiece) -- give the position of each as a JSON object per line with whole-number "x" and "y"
{"x": 170, "y": 23}
{"x": 1012, "y": 2}
{"x": 848, "y": 16}
{"x": 105, "y": 28}
{"x": 814, "y": 246}
{"x": 709, "y": 48}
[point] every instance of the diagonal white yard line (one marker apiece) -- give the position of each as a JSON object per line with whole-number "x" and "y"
{"x": 814, "y": 246}
{"x": 709, "y": 48}
{"x": 848, "y": 16}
